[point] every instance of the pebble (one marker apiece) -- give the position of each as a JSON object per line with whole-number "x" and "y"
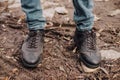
{"x": 61, "y": 10}
{"x": 114, "y": 13}
{"x": 109, "y": 54}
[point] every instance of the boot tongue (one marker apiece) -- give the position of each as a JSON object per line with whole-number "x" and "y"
{"x": 33, "y": 33}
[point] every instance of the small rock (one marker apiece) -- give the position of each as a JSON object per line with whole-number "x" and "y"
{"x": 49, "y": 13}
{"x": 110, "y": 54}
{"x": 61, "y": 10}
{"x": 114, "y": 13}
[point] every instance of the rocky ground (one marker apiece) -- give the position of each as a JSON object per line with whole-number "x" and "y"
{"x": 58, "y": 62}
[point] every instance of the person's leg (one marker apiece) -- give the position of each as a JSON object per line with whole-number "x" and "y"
{"x": 83, "y": 14}
{"x": 85, "y": 38}
{"x": 32, "y": 48}
{"x": 34, "y": 15}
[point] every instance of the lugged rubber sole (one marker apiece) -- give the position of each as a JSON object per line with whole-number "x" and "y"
{"x": 29, "y": 65}
{"x": 87, "y": 69}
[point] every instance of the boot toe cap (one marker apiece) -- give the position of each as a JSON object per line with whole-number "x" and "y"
{"x": 91, "y": 61}
{"x": 30, "y": 60}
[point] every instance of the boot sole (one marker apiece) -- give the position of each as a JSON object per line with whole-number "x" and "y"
{"x": 29, "y": 65}
{"x": 87, "y": 69}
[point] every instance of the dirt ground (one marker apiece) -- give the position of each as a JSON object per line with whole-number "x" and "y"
{"x": 58, "y": 62}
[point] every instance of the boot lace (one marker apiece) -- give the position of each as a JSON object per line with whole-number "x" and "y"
{"x": 33, "y": 42}
{"x": 91, "y": 41}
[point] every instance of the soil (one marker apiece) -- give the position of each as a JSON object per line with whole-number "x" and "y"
{"x": 59, "y": 63}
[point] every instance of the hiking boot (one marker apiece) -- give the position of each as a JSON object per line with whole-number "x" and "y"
{"x": 32, "y": 48}
{"x": 86, "y": 47}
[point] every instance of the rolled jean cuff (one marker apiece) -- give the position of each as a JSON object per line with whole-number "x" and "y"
{"x": 36, "y": 26}
{"x": 85, "y": 25}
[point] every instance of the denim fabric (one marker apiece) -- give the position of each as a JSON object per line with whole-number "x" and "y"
{"x": 34, "y": 16}
{"x": 83, "y": 15}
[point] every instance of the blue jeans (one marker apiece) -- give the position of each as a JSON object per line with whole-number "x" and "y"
{"x": 83, "y": 15}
